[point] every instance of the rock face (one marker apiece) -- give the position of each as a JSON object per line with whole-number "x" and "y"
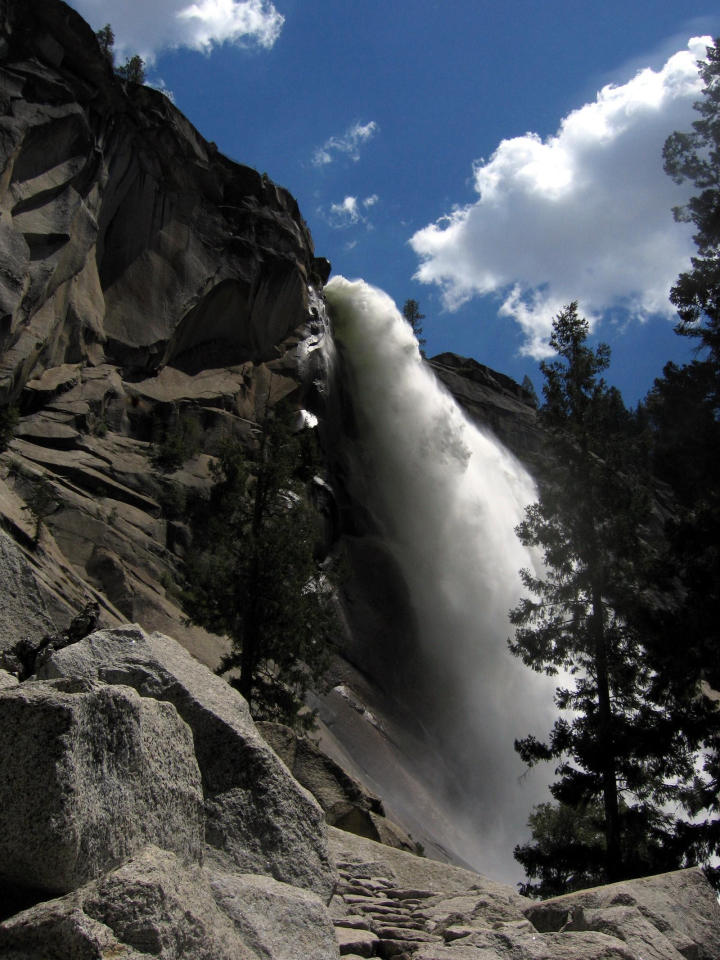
{"x": 145, "y": 280}
{"x": 492, "y": 400}
{"x": 91, "y": 773}
{"x": 346, "y": 803}
{"x": 127, "y": 238}
{"x": 257, "y": 817}
{"x": 157, "y": 905}
{"x": 390, "y": 903}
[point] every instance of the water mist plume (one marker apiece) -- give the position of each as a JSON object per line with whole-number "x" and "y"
{"x": 447, "y": 497}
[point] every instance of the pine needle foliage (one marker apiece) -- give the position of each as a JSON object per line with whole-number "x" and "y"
{"x": 616, "y": 748}
{"x": 252, "y": 574}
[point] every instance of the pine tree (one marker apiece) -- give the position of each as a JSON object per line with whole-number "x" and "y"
{"x": 253, "y": 576}
{"x": 695, "y": 156}
{"x": 567, "y": 851}
{"x": 106, "y": 41}
{"x": 411, "y": 312}
{"x": 683, "y": 414}
{"x": 132, "y": 70}
{"x": 618, "y": 749}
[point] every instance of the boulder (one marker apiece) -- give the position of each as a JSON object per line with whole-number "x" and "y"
{"x": 276, "y": 920}
{"x": 91, "y": 773}
{"x": 159, "y": 905}
{"x": 681, "y": 905}
{"x": 258, "y": 818}
{"x": 630, "y": 926}
{"x": 518, "y": 943}
{"x": 152, "y": 905}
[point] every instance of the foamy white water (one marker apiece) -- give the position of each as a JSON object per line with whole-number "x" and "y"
{"x": 447, "y": 497}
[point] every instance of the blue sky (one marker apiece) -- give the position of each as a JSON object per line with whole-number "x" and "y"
{"x": 492, "y": 161}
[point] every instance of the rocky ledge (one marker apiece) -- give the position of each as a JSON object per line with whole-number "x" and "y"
{"x": 142, "y": 813}
{"x": 148, "y": 284}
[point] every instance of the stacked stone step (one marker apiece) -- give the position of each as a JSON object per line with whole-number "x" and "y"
{"x": 375, "y": 918}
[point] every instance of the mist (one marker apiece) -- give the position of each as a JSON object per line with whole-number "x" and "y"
{"x": 447, "y": 497}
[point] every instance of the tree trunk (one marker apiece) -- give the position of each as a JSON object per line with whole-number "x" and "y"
{"x": 613, "y": 855}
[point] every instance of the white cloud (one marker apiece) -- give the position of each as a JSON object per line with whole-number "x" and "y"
{"x": 148, "y": 26}
{"x": 346, "y": 213}
{"x": 349, "y": 211}
{"x": 347, "y": 144}
{"x": 585, "y": 214}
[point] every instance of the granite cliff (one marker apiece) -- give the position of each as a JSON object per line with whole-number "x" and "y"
{"x": 142, "y": 274}
{"x": 147, "y": 281}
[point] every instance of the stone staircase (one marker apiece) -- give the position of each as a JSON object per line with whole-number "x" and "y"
{"x": 375, "y": 918}
{"x": 391, "y": 904}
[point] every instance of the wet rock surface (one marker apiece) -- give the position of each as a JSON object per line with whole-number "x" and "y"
{"x": 346, "y": 803}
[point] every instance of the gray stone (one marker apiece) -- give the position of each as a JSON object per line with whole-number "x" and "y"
{"x": 521, "y": 944}
{"x": 628, "y": 925}
{"x": 152, "y": 905}
{"x": 681, "y": 905}
{"x": 258, "y": 818}
{"x": 437, "y": 882}
{"x": 357, "y": 942}
{"x": 276, "y": 920}
{"x": 7, "y": 680}
{"x": 91, "y": 773}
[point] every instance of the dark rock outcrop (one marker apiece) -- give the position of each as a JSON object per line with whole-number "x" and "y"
{"x": 346, "y": 803}
{"x": 491, "y": 400}
{"x": 127, "y": 238}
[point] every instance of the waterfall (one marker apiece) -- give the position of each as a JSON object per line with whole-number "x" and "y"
{"x": 446, "y": 496}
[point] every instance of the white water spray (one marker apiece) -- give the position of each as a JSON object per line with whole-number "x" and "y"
{"x": 447, "y": 497}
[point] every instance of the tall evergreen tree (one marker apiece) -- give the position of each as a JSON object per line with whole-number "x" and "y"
{"x": 695, "y": 157}
{"x": 252, "y": 575}
{"x": 683, "y": 413}
{"x": 618, "y": 749}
